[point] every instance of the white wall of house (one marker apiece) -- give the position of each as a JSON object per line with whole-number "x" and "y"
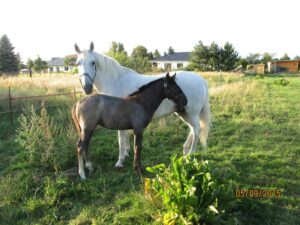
{"x": 173, "y": 64}
{"x": 59, "y": 69}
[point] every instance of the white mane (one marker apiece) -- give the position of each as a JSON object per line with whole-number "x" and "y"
{"x": 111, "y": 66}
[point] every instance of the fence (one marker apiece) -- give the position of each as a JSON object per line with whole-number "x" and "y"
{"x": 11, "y": 99}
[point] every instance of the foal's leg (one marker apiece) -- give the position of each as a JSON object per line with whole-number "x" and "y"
{"x": 86, "y": 141}
{"x": 138, "y": 140}
{"x": 80, "y": 154}
{"x": 82, "y": 149}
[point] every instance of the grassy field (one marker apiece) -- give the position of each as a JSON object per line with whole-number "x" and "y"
{"x": 254, "y": 142}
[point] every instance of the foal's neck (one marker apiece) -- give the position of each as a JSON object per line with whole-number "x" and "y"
{"x": 151, "y": 97}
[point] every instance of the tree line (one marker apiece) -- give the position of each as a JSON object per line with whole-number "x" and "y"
{"x": 203, "y": 58}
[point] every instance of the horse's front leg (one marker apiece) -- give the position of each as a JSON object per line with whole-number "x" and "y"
{"x": 124, "y": 146}
{"x": 138, "y": 141}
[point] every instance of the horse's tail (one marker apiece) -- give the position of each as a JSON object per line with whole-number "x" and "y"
{"x": 75, "y": 119}
{"x": 205, "y": 119}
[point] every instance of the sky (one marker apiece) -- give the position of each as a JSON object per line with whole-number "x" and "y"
{"x": 49, "y": 28}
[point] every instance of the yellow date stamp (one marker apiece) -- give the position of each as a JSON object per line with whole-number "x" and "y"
{"x": 257, "y": 193}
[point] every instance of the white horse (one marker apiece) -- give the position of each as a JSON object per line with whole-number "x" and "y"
{"x": 110, "y": 78}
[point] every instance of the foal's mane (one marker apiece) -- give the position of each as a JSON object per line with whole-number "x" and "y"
{"x": 144, "y": 87}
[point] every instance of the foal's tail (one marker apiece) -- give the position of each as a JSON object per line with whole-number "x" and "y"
{"x": 205, "y": 119}
{"x": 75, "y": 119}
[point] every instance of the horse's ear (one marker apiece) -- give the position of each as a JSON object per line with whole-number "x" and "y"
{"x": 77, "y": 49}
{"x": 92, "y": 46}
{"x": 168, "y": 75}
{"x": 173, "y": 77}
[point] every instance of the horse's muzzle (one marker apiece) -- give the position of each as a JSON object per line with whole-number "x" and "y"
{"x": 88, "y": 88}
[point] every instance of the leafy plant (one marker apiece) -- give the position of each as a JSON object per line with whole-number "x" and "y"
{"x": 189, "y": 192}
{"x": 282, "y": 82}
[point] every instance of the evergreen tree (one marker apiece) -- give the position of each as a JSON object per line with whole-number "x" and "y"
{"x": 229, "y": 57}
{"x": 156, "y": 54}
{"x": 285, "y": 57}
{"x": 8, "y": 59}
{"x": 171, "y": 50}
{"x": 214, "y": 60}
{"x": 199, "y": 57}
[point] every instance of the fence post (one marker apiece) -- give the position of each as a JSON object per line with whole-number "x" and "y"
{"x": 10, "y": 105}
{"x": 75, "y": 97}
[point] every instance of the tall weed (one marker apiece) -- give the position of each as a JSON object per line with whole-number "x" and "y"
{"x": 45, "y": 144}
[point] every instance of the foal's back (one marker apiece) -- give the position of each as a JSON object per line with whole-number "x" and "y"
{"x": 107, "y": 111}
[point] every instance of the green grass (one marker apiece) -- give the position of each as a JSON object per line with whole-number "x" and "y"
{"x": 254, "y": 141}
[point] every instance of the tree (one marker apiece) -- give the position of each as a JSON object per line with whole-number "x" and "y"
{"x": 267, "y": 57}
{"x": 140, "y": 59}
{"x": 199, "y": 57}
{"x": 229, "y": 57}
{"x": 29, "y": 64}
{"x": 253, "y": 58}
{"x": 297, "y": 57}
{"x": 171, "y": 50}
{"x": 285, "y": 57}
{"x": 8, "y": 59}
{"x": 70, "y": 60}
{"x": 39, "y": 65}
{"x": 156, "y": 54}
{"x": 213, "y": 58}
{"x": 21, "y": 65}
{"x": 117, "y": 51}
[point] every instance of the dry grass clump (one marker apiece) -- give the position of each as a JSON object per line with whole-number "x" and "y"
{"x": 40, "y": 81}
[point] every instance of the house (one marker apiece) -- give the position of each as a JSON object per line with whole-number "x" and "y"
{"x": 174, "y": 61}
{"x": 284, "y": 66}
{"x": 57, "y": 65}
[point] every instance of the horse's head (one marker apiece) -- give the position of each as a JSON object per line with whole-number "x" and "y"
{"x": 174, "y": 92}
{"x": 87, "y": 68}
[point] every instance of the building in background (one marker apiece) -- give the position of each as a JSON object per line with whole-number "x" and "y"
{"x": 174, "y": 61}
{"x": 279, "y": 66}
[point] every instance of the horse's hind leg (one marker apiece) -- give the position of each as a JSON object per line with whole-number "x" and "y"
{"x": 121, "y": 158}
{"x": 126, "y": 142}
{"x": 187, "y": 144}
{"x": 124, "y": 146}
{"x": 190, "y": 144}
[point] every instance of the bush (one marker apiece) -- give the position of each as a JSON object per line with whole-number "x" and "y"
{"x": 282, "y": 82}
{"x": 189, "y": 192}
{"x": 45, "y": 145}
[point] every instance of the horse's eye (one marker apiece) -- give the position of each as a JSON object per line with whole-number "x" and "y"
{"x": 93, "y": 63}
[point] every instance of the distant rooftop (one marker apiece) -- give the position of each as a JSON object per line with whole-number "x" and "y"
{"x": 56, "y": 62}
{"x": 176, "y": 56}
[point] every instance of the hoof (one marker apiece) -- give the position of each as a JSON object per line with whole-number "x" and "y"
{"x": 119, "y": 165}
{"x": 139, "y": 169}
{"x": 82, "y": 178}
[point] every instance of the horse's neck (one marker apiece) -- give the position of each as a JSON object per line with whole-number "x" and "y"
{"x": 117, "y": 80}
